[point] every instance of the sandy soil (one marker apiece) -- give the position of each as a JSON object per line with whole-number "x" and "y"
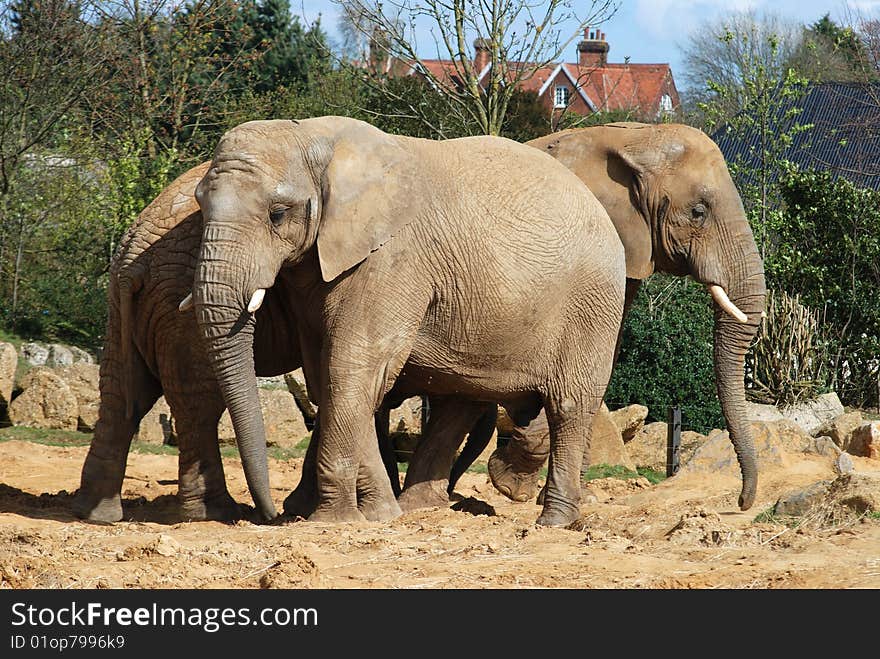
{"x": 683, "y": 533}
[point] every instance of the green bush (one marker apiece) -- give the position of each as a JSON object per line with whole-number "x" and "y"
{"x": 827, "y": 250}
{"x": 666, "y": 355}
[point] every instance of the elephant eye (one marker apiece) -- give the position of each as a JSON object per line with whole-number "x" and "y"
{"x": 276, "y": 215}
{"x": 698, "y": 213}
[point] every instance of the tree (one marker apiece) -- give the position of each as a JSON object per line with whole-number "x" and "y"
{"x": 515, "y": 39}
{"x": 727, "y": 52}
{"x": 829, "y": 51}
{"x": 767, "y": 99}
{"x": 50, "y": 61}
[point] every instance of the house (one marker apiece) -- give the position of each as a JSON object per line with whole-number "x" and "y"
{"x": 589, "y": 85}
{"x": 844, "y": 137}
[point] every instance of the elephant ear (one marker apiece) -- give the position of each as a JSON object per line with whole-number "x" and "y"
{"x": 638, "y": 164}
{"x": 370, "y": 190}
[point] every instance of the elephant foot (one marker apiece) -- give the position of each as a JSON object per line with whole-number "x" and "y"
{"x": 302, "y": 502}
{"x": 427, "y": 494}
{"x": 558, "y": 511}
{"x": 220, "y": 508}
{"x": 518, "y": 483}
{"x": 379, "y": 510}
{"x": 336, "y": 514}
{"x": 97, "y": 509}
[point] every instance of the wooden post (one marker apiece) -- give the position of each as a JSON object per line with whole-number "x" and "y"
{"x": 673, "y": 441}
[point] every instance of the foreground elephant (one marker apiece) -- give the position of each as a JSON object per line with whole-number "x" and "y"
{"x": 453, "y": 268}
{"x": 667, "y": 189}
{"x": 151, "y": 348}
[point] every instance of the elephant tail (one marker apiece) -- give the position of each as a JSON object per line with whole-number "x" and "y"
{"x": 129, "y": 285}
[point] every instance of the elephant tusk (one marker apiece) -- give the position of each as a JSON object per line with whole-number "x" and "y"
{"x": 256, "y": 300}
{"x": 186, "y": 303}
{"x": 724, "y": 302}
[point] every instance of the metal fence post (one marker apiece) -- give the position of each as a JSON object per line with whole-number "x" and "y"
{"x": 673, "y": 441}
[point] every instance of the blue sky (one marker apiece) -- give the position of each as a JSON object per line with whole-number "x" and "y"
{"x": 653, "y": 30}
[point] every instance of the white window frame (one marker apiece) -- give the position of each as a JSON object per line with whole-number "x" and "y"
{"x": 566, "y": 93}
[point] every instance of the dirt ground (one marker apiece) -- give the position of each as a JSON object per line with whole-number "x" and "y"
{"x": 683, "y": 533}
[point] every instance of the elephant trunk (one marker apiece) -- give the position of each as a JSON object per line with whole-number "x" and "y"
{"x": 733, "y": 337}
{"x": 228, "y": 331}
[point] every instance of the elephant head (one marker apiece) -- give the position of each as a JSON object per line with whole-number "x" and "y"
{"x": 278, "y": 192}
{"x": 668, "y": 191}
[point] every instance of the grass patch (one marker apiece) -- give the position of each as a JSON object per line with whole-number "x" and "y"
{"x": 608, "y": 471}
{"x": 45, "y": 436}
{"x": 653, "y": 476}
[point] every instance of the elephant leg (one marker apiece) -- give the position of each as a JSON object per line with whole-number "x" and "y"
{"x": 478, "y": 439}
{"x": 304, "y": 499}
{"x": 515, "y": 467}
{"x": 427, "y": 476}
{"x": 201, "y": 483}
{"x": 570, "y": 420}
{"x": 99, "y": 497}
{"x": 386, "y": 447}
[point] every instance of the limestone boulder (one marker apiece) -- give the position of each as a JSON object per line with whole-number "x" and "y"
{"x": 157, "y": 427}
{"x": 629, "y": 420}
{"x": 800, "y": 502}
{"x": 59, "y": 356}
{"x": 865, "y": 441}
{"x": 284, "y": 423}
{"x": 35, "y": 354}
{"x": 83, "y": 379}
{"x": 760, "y": 412}
{"x": 840, "y": 428}
{"x": 607, "y": 445}
{"x": 407, "y": 418}
{"x": 858, "y": 491}
{"x": 45, "y": 402}
{"x": 810, "y": 415}
{"x": 648, "y": 446}
{"x": 296, "y": 385}
{"x": 8, "y": 364}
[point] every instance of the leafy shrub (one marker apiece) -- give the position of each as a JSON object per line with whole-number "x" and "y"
{"x": 666, "y": 354}
{"x": 827, "y": 250}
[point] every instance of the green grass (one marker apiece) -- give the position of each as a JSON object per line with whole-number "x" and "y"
{"x": 621, "y": 472}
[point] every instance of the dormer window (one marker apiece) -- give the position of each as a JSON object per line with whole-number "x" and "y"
{"x": 562, "y": 97}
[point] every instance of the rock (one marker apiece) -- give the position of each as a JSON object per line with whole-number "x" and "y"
{"x": 865, "y": 441}
{"x": 407, "y": 418}
{"x": 800, "y": 502}
{"x": 859, "y": 492}
{"x": 283, "y": 421}
{"x": 83, "y": 379}
{"x": 34, "y": 354}
{"x": 45, "y": 402}
{"x": 759, "y": 412}
{"x": 59, "y": 355}
{"x": 844, "y": 464}
{"x": 717, "y": 455}
{"x": 812, "y": 414}
{"x": 271, "y": 382}
{"x": 823, "y": 446}
{"x": 8, "y": 364}
{"x": 629, "y": 420}
{"x": 648, "y": 446}
{"x": 606, "y": 446}
{"x": 157, "y": 427}
{"x": 296, "y": 385}
{"x": 840, "y": 428}
{"x": 80, "y": 356}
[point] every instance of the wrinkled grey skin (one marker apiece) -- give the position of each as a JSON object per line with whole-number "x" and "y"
{"x": 151, "y": 348}
{"x": 426, "y": 265}
{"x": 667, "y": 189}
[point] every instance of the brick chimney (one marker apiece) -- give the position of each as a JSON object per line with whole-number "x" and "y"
{"x": 482, "y": 54}
{"x": 380, "y": 59}
{"x": 593, "y": 50}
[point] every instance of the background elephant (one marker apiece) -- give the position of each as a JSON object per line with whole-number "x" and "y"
{"x": 453, "y": 268}
{"x": 151, "y": 348}
{"x": 667, "y": 189}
